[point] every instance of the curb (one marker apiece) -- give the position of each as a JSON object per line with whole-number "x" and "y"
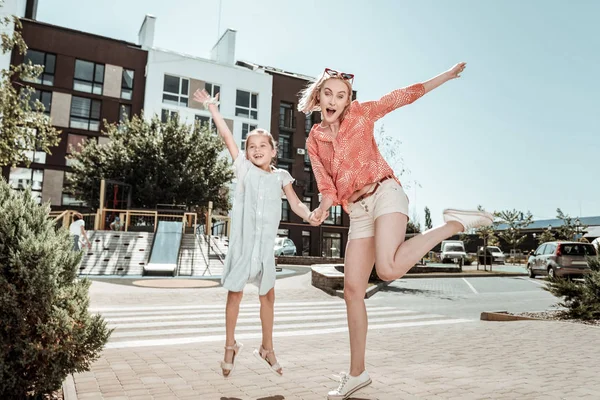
{"x": 463, "y": 275}
{"x": 68, "y": 388}
{"x": 504, "y": 316}
{"x": 371, "y": 290}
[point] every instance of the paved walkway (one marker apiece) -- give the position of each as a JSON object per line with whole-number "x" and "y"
{"x": 168, "y": 343}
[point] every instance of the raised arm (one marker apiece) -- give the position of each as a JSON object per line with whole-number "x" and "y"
{"x": 439, "y": 80}
{"x": 202, "y": 96}
{"x": 401, "y": 97}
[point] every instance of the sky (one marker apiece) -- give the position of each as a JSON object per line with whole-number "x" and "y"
{"x": 517, "y": 131}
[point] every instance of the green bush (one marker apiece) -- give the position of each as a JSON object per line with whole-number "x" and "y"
{"x": 46, "y": 331}
{"x": 581, "y": 299}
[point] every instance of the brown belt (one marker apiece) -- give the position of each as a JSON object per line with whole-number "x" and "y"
{"x": 377, "y": 184}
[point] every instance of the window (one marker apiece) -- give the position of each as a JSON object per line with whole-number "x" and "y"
{"x": 285, "y": 210}
{"x": 127, "y": 84}
{"x": 124, "y": 112}
{"x": 203, "y": 120}
{"x": 166, "y": 115}
{"x": 44, "y": 97}
{"x": 310, "y": 183}
{"x": 306, "y": 243}
{"x": 286, "y": 166}
{"x": 286, "y": 116}
{"x": 246, "y": 104}
{"x": 85, "y": 113}
{"x": 283, "y": 233}
{"x": 284, "y": 149}
{"x": 246, "y": 129}
{"x": 308, "y": 123}
{"x": 36, "y": 156}
{"x": 306, "y": 156}
{"x": 89, "y": 77}
{"x": 175, "y": 91}
{"x": 335, "y": 216}
{"x": 21, "y": 178}
{"x": 212, "y": 89}
{"x": 74, "y": 145}
{"x": 47, "y": 60}
{"x": 332, "y": 244}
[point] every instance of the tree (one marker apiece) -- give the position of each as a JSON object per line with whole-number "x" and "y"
{"x": 428, "y": 224}
{"x": 24, "y": 126}
{"x": 46, "y": 331}
{"x": 546, "y": 236}
{"x": 581, "y": 300}
{"x": 570, "y": 228}
{"x": 515, "y": 221}
{"x": 165, "y": 163}
{"x": 390, "y": 150}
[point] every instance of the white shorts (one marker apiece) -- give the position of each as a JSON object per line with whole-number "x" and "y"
{"x": 388, "y": 198}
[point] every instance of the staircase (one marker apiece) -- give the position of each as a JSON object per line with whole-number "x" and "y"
{"x": 195, "y": 256}
{"x": 116, "y": 253}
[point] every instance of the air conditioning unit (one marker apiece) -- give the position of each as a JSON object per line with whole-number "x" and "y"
{"x": 301, "y": 151}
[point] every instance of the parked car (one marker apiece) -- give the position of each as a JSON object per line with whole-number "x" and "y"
{"x": 284, "y": 247}
{"x": 564, "y": 259}
{"x": 493, "y": 255}
{"x": 453, "y": 250}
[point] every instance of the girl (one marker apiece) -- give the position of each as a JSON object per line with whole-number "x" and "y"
{"x": 256, "y": 216}
{"x": 350, "y": 170}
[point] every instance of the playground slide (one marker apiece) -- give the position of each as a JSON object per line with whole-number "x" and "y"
{"x": 165, "y": 249}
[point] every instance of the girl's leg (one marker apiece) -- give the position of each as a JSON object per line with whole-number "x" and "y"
{"x": 232, "y": 311}
{"x": 394, "y": 256}
{"x": 267, "y": 315}
{"x": 360, "y": 255}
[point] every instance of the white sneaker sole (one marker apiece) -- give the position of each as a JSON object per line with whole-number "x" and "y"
{"x": 350, "y": 393}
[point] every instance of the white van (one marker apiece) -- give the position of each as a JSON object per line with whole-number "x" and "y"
{"x": 453, "y": 250}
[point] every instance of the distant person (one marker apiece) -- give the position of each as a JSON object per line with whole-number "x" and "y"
{"x": 77, "y": 230}
{"x": 116, "y": 225}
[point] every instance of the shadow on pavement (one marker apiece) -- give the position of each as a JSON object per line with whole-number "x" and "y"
{"x": 417, "y": 292}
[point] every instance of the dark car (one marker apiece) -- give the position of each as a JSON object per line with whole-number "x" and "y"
{"x": 563, "y": 259}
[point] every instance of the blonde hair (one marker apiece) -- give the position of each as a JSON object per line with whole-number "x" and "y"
{"x": 309, "y": 96}
{"x": 262, "y": 132}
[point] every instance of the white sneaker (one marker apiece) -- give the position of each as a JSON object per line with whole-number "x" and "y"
{"x": 469, "y": 219}
{"x": 348, "y": 385}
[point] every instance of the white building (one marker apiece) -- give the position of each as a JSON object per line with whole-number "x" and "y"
{"x": 172, "y": 78}
{"x": 8, "y": 8}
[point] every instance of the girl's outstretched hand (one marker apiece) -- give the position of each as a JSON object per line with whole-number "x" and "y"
{"x": 455, "y": 71}
{"x": 317, "y": 216}
{"x": 202, "y": 96}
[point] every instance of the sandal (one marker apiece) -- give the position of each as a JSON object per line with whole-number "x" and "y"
{"x": 262, "y": 355}
{"x": 228, "y": 367}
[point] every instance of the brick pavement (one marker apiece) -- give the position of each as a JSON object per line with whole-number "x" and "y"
{"x": 470, "y": 360}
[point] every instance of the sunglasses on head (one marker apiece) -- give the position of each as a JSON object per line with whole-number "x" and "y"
{"x": 338, "y": 74}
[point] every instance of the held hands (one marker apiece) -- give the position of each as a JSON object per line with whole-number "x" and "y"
{"x": 317, "y": 216}
{"x": 202, "y": 97}
{"x": 455, "y": 71}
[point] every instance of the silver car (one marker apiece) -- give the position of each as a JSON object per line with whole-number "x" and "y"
{"x": 284, "y": 247}
{"x": 563, "y": 259}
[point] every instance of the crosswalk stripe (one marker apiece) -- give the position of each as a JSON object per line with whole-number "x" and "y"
{"x": 243, "y": 336}
{"x": 244, "y": 320}
{"x": 241, "y": 314}
{"x": 209, "y": 306}
{"x": 277, "y": 327}
{"x": 340, "y": 306}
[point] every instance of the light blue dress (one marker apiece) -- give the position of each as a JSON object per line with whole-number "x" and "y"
{"x": 254, "y": 221}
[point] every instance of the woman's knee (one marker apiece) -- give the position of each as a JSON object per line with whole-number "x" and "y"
{"x": 354, "y": 291}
